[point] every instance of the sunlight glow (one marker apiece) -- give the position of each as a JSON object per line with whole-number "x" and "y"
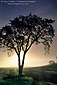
{"x": 15, "y": 60}
{"x": 21, "y": 56}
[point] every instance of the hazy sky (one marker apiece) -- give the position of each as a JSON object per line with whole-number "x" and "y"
{"x": 42, "y": 8}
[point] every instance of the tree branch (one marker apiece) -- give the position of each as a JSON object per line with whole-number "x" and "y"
{"x": 27, "y": 41}
{"x": 30, "y": 45}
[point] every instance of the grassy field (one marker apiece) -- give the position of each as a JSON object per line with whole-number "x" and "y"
{"x": 16, "y": 80}
{"x": 45, "y": 75}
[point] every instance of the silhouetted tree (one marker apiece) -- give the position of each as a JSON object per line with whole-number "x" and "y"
{"x": 56, "y": 57}
{"x": 51, "y": 62}
{"x": 24, "y": 31}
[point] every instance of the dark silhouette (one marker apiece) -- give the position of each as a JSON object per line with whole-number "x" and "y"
{"x": 56, "y": 57}
{"x": 51, "y": 62}
{"x": 24, "y": 31}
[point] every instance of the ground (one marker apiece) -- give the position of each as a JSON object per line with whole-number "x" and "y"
{"x": 45, "y": 75}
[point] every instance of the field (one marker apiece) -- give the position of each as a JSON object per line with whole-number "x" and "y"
{"x": 45, "y": 75}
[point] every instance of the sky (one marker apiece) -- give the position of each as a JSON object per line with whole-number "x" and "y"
{"x": 36, "y": 55}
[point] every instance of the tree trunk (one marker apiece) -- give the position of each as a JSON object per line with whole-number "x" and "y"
{"x": 20, "y": 66}
{"x": 20, "y": 70}
{"x": 23, "y": 59}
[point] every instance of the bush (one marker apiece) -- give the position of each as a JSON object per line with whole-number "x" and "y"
{"x": 17, "y": 80}
{"x": 50, "y": 76}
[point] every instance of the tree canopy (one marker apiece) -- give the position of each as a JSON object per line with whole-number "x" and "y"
{"x": 24, "y": 31}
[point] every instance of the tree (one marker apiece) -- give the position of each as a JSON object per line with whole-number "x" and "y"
{"x": 24, "y": 31}
{"x": 56, "y": 57}
{"x": 51, "y": 62}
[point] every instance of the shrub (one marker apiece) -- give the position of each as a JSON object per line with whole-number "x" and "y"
{"x": 20, "y": 80}
{"x": 50, "y": 76}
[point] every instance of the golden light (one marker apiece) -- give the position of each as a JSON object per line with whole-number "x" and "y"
{"x": 14, "y": 60}
{"x": 21, "y": 56}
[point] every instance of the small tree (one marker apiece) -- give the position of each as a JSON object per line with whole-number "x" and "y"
{"x": 51, "y": 62}
{"x": 24, "y": 31}
{"x": 56, "y": 59}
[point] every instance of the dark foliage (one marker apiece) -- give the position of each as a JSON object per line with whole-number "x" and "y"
{"x": 24, "y": 31}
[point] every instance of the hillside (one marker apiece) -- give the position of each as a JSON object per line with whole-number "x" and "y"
{"x": 47, "y": 74}
{"x": 52, "y": 67}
